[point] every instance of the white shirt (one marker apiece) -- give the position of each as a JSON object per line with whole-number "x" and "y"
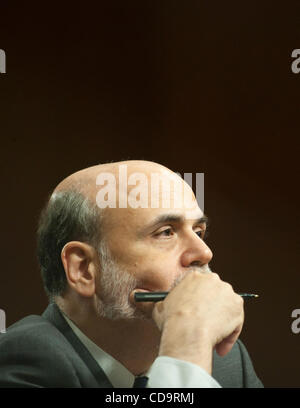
{"x": 165, "y": 372}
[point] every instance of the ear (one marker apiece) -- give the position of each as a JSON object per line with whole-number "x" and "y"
{"x": 80, "y": 262}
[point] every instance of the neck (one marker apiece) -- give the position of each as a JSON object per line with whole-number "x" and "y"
{"x": 139, "y": 343}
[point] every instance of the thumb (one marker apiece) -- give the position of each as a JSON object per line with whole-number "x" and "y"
{"x": 158, "y": 314}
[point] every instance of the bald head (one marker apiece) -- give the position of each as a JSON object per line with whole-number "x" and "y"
{"x": 133, "y": 183}
{"x": 89, "y": 205}
{"x": 84, "y": 181}
{"x": 72, "y": 213}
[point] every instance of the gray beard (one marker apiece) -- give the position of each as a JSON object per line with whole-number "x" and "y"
{"x": 115, "y": 285}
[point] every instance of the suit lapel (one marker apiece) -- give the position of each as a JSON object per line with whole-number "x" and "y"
{"x": 53, "y": 314}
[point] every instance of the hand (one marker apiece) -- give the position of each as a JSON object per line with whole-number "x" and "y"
{"x": 200, "y": 313}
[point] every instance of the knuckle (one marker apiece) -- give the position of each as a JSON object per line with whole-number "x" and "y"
{"x": 194, "y": 273}
{"x": 214, "y": 276}
{"x": 239, "y": 302}
{"x": 230, "y": 287}
{"x": 191, "y": 276}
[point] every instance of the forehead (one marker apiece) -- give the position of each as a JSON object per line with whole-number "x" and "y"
{"x": 140, "y": 199}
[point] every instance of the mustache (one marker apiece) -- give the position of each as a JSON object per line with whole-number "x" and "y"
{"x": 202, "y": 269}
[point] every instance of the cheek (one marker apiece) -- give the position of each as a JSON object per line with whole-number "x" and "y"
{"x": 150, "y": 266}
{"x": 156, "y": 276}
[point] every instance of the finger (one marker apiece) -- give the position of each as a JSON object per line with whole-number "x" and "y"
{"x": 158, "y": 314}
{"x": 226, "y": 344}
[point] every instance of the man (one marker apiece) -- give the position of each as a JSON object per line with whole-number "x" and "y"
{"x": 97, "y": 247}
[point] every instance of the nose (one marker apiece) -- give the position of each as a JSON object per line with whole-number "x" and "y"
{"x": 196, "y": 252}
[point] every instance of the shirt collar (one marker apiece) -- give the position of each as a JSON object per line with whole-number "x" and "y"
{"x": 117, "y": 374}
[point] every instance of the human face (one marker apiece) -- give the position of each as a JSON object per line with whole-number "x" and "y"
{"x": 156, "y": 247}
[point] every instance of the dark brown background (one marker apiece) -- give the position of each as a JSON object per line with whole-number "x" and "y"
{"x": 199, "y": 86}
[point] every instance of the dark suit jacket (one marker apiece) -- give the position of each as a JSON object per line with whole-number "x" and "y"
{"x": 43, "y": 351}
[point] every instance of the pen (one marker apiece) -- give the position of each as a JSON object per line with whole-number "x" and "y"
{"x": 158, "y": 296}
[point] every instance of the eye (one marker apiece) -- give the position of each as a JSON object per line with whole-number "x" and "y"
{"x": 167, "y": 232}
{"x": 202, "y": 234}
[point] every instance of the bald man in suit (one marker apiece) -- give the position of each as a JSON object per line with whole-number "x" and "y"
{"x": 94, "y": 256}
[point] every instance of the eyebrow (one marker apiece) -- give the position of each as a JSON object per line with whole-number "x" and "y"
{"x": 174, "y": 218}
